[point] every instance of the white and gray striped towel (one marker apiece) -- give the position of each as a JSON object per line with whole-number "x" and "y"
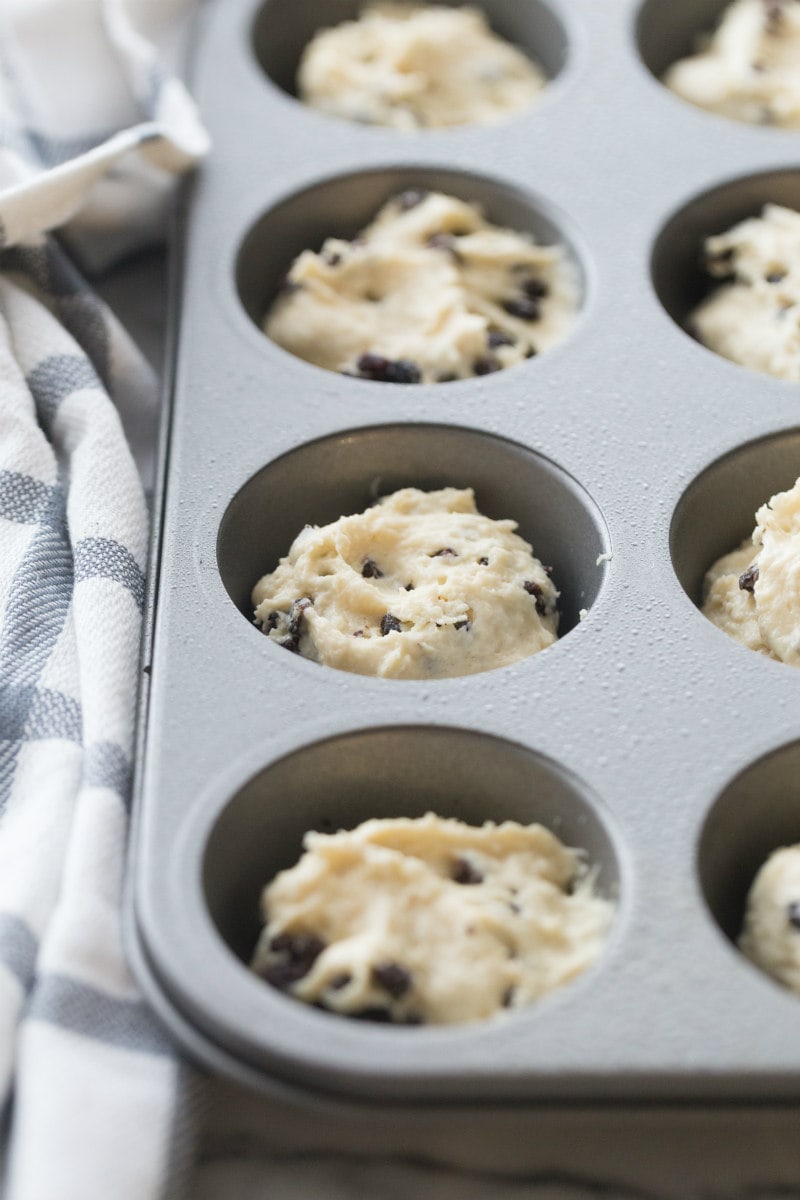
{"x": 92, "y": 132}
{"x": 94, "y": 128}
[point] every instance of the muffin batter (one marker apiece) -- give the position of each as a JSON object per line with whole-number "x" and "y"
{"x": 753, "y": 593}
{"x": 771, "y": 934}
{"x": 430, "y": 920}
{"x": 417, "y": 67}
{"x": 420, "y": 585}
{"x": 429, "y": 292}
{"x": 749, "y": 68}
{"x": 753, "y": 318}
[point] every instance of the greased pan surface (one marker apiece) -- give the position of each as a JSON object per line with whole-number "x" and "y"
{"x": 630, "y": 456}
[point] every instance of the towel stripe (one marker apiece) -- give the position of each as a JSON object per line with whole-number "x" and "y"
{"x": 80, "y": 1008}
{"x": 18, "y": 949}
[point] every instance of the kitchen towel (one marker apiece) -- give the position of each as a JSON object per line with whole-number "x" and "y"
{"x": 94, "y": 130}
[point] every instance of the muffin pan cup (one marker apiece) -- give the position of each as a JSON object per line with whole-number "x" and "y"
{"x": 623, "y": 736}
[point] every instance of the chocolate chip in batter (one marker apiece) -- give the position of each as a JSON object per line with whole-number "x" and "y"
{"x": 465, "y": 624}
{"x": 332, "y": 258}
{"x": 483, "y": 562}
{"x": 499, "y": 337}
{"x": 535, "y": 289}
{"x": 294, "y": 629}
{"x": 523, "y": 307}
{"x": 283, "y": 974}
{"x": 464, "y": 872}
{"x": 387, "y": 370}
{"x": 793, "y": 913}
{"x": 747, "y": 579}
{"x": 389, "y": 624}
{"x": 535, "y": 589}
{"x": 409, "y": 587}
{"x": 272, "y": 621}
{"x": 393, "y": 978}
{"x": 340, "y": 981}
{"x": 487, "y": 365}
{"x": 300, "y": 951}
{"x": 301, "y": 947}
{"x": 775, "y": 276}
{"x": 381, "y": 1016}
{"x": 371, "y": 570}
{"x": 411, "y": 198}
{"x": 445, "y": 552}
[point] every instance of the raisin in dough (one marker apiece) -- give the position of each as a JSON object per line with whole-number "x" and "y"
{"x": 430, "y": 920}
{"x": 420, "y": 585}
{"x": 771, "y": 934}
{"x": 429, "y": 292}
{"x": 753, "y": 593}
{"x": 417, "y": 66}
{"x": 753, "y": 318}
{"x": 749, "y": 68}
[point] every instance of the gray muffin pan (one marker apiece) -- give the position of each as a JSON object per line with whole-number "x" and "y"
{"x": 630, "y": 456}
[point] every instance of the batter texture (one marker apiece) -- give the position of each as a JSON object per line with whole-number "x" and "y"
{"x": 753, "y": 318}
{"x": 771, "y": 934}
{"x": 429, "y": 292}
{"x": 753, "y": 593}
{"x": 417, "y": 67}
{"x": 430, "y": 920}
{"x": 749, "y": 67}
{"x": 421, "y": 585}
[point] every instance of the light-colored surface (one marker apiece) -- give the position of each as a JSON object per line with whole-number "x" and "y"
{"x": 749, "y": 67}
{"x": 416, "y": 67}
{"x": 254, "y": 1149}
{"x": 753, "y": 318}
{"x": 766, "y": 618}
{"x": 771, "y": 934}
{"x": 433, "y": 920}
{"x": 437, "y": 305}
{"x": 468, "y": 608}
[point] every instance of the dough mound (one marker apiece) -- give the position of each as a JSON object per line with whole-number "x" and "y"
{"x": 430, "y": 920}
{"x": 417, "y": 67}
{"x": 753, "y": 593}
{"x": 429, "y": 292}
{"x": 749, "y": 68}
{"x": 753, "y": 318}
{"x": 771, "y": 934}
{"x": 421, "y": 585}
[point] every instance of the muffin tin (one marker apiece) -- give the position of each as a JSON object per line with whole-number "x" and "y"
{"x": 631, "y": 458}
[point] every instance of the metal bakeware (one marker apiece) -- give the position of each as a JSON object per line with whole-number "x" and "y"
{"x": 631, "y": 458}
